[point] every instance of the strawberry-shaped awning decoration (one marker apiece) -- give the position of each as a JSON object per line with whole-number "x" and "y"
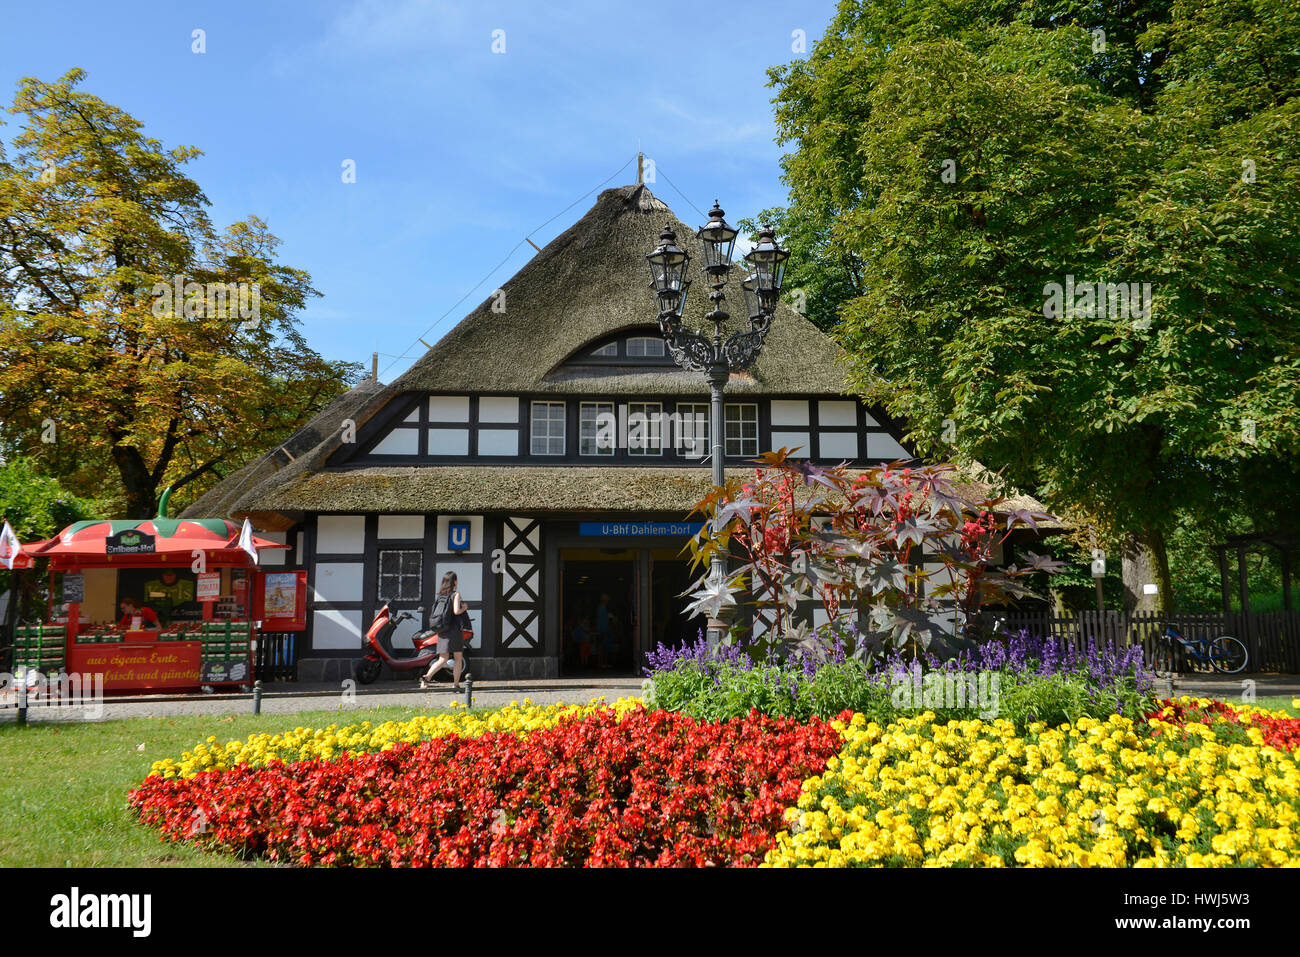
{"x": 160, "y": 540}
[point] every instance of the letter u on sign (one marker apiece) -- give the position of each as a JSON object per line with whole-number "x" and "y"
{"x": 457, "y": 536}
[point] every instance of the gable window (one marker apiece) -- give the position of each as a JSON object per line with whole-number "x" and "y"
{"x": 741, "y": 429}
{"x": 597, "y": 428}
{"x": 645, "y": 428}
{"x": 692, "y": 439}
{"x": 610, "y": 349}
{"x": 400, "y": 572}
{"x": 547, "y": 428}
{"x": 645, "y": 346}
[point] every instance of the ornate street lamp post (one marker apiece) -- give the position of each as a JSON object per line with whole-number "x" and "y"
{"x": 713, "y": 355}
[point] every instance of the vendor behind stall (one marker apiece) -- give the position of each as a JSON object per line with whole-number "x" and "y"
{"x": 132, "y": 609}
{"x": 166, "y": 592}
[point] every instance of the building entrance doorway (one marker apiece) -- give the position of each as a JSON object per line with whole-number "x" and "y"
{"x": 669, "y": 624}
{"x": 599, "y": 619}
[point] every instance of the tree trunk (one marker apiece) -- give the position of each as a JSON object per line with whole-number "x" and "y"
{"x": 1145, "y": 561}
{"x": 141, "y": 491}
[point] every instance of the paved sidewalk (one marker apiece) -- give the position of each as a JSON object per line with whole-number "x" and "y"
{"x": 289, "y": 698}
{"x": 1232, "y": 689}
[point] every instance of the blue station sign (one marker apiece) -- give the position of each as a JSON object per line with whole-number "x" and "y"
{"x": 457, "y": 536}
{"x": 639, "y": 529}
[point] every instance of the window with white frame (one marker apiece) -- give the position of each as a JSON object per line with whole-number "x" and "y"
{"x": 642, "y": 346}
{"x": 645, "y": 428}
{"x": 692, "y": 439}
{"x": 607, "y": 350}
{"x": 741, "y": 429}
{"x": 400, "y": 573}
{"x": 597, "y": 428}
{"x": 547, "y": 428}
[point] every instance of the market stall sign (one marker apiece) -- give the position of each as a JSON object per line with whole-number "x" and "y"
{"x": 135, "y": 666}
{"x": 129, "y": 541}
{"x": 209, "y": 586}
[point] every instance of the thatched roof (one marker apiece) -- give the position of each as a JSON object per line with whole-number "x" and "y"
{"x": 486, "y": 489}
{"x": 591, "y": 281}
{"x": 308, "y": 446}
{"x": 588, "y": 283}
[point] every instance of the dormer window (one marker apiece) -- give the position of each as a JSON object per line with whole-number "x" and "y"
{"x": 642, "y": 346}
{"x": 632, "y": 350}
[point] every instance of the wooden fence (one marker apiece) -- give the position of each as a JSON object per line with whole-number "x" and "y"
{"x": 1271, "y": 637}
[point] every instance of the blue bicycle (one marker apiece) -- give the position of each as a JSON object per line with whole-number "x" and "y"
{"x": 1225, "y": 654}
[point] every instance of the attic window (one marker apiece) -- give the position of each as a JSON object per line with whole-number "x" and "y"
{"x": 645, "y": 346}
{"x": 609, "y": 349}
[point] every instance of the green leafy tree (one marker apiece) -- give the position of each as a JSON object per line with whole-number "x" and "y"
{"x": 140, "y": 347}
{"x": 973, "y": 160}
{"x": 36, "y": 507}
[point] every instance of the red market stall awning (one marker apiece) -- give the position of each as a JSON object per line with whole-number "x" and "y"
{"x": 147, "y": 541}
{"x": 22, "y": 559}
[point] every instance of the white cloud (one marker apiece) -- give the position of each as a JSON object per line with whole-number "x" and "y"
{"x": 374, "y": 26}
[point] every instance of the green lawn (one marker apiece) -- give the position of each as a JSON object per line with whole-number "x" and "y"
{"x": 63, "y": 787}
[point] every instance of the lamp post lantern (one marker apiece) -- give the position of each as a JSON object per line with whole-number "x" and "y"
{"x": 713, "y": 355}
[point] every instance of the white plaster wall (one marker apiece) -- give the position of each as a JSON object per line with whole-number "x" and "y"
{"x": 834, "y": 412}
{"x": 340, "y": 534}
{"x": 273, "y": 556}
{"x": 336, "y": 629}
{"x": 449, "y": 408}
{"x": 789, "y": 412}
{"x": 401, "y": 526}
{"x": 496, "y": 408}
{"x": 882, "y": 447}
{"x": 469, "y": 577}
{"x": 339, "y": 581}
{"x": 449, "y": 441}
{"x": 398, "y": 442}
{"x": 838, "y": 445}
{"x": 792, "y": 440}
{"x": 498, "y": 442}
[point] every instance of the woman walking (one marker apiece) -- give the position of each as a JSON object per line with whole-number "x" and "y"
{"x": 447, "y": 617}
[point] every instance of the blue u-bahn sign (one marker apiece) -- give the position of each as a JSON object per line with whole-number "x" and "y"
{"x": 639, "y": 529}
{"x": 457, "y": 536}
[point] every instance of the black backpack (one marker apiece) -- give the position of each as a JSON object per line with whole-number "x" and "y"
{"x": 440, "y": 617}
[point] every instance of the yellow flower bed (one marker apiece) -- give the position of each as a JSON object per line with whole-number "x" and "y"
{"x": 304, "y": 743}
{"x": 976, "y": 793}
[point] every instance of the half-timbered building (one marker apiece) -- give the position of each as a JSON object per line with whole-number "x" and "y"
{"x": 548, "y": 451}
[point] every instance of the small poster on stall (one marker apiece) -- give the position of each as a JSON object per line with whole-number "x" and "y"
{"x": 281, "y": 595}
{"x": 74, "y": 587}
{"x": 224, "y": 671}
{"x": 209, "y": 586}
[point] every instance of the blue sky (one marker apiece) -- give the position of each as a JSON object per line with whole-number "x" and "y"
{"x": 460, "y": 152}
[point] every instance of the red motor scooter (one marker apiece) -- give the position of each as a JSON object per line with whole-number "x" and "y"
{"x": 379, "y": 649}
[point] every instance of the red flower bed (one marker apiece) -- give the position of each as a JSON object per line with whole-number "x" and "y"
{"x": 652, "y": 789}
{"x": 1280, "y": 733}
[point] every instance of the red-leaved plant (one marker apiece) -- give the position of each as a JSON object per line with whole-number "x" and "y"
{"x": 857, "y": 541}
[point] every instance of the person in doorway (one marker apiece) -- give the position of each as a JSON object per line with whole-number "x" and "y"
{"x": 448, "y": 617}
{"x": 605, "y": 633}
{"x": 133, "y": 612}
